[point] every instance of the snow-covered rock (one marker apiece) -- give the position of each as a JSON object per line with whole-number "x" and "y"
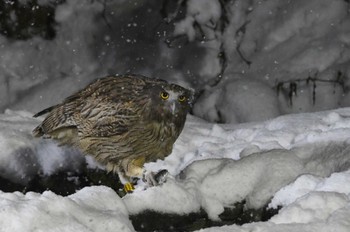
{"x": 300, "y": 162}
{"x": 90, "y": 209}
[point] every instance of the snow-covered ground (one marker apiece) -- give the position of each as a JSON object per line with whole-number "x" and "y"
{"x": 300, "y": 162}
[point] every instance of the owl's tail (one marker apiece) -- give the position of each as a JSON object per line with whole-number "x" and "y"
{"x": 55, "y": 126}
{"x": 39, "y": 130}
{"x": 45, "y": 111}
{"x": 56, "y": 119}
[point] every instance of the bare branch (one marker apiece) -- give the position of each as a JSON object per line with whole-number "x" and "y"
{"x": 167, "y": 16}
{"x": 293, "y": 84}
{"x": 104, "y": 13}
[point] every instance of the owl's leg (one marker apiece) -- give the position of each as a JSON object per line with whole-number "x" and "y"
{"x": 127, "y": 181}
{"x": 128, "y": 186}
{"x": 132, "y": 170}
{"x": 135, "y": 168}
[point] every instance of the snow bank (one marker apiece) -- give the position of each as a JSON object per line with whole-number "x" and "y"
{"x": 22, "y": 156}
{"x": 314, "y": 207}
{"x": 90, "y": 209}
{"x": 300, "y": 162}
{"x": 312, "y": 198}
{"x": 227, "y": 164}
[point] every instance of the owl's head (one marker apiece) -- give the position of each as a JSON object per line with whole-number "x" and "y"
{"x": 175, "y": 99}
{"x": 171, "y": 100}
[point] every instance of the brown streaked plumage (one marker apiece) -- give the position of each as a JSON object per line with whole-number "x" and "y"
{"x": 122, "y": 121}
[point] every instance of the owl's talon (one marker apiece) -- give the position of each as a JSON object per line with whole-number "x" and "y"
{"x": 129, "y": 187}
{"x": 154, "y": 179}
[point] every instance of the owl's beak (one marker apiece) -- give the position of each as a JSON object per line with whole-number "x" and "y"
{"x": 173, "y": 107}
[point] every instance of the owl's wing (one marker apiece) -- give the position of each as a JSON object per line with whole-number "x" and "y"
{"x": 58, "y": 122}
{"x": 87, "y": 118}
{"x": 104, "y": 120}
{"x": 103, "y": 108}
{"x": 112, "y": 106}
{"x": 59, "y": 117}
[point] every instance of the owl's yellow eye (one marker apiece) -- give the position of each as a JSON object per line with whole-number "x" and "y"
{"x": 182, "y": 98}
{"x": 164, "y": 95}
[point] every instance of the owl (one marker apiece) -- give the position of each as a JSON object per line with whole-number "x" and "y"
{"x": 122, "y": 121}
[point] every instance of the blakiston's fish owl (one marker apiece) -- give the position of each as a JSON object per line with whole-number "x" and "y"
{"x": 122, "y": 121}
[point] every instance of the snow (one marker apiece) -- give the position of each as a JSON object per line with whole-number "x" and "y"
{"x": 298, "y": 162}
{"x": 63, "y": 64}
{"x": 206, "y": 12}
{"x": 83, "y": 211}
{"x": 228, "y": 102}
{"x": 315, "y": 207}
{"x": 283, "y": 41}
{"x": 307, "y": 183}
{"x": 22, "y": 156}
